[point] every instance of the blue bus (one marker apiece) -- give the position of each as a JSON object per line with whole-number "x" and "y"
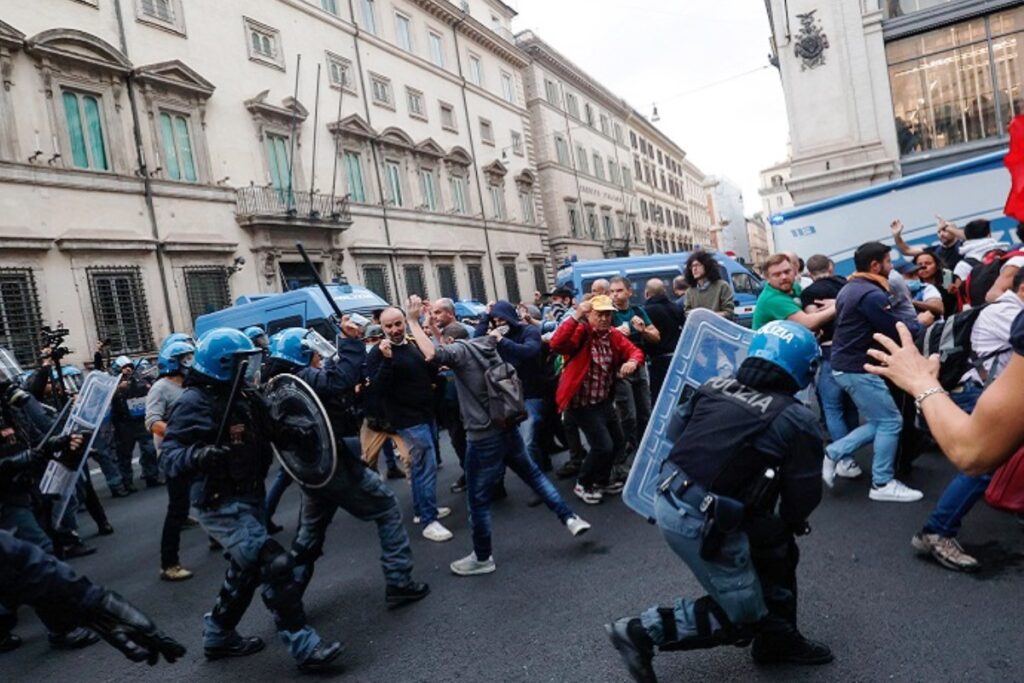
{"x": 746, "y": 285}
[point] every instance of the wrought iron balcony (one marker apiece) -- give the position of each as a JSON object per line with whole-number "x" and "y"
{"x": 267, "y": 204}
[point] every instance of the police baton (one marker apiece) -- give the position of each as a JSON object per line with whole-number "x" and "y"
{"x": 236, "y": 389}
{"x": 319, "y": 282}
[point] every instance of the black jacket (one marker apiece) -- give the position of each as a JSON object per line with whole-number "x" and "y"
{"x": 668, "y": 317}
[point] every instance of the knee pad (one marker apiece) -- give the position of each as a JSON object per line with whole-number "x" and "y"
{"x": 275, "y": 562}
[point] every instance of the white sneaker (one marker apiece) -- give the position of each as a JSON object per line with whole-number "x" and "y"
{"x": 470, "y": 566}
{"x": 847, "y": 468}
{"x": 895, "y": 491}
{"x": 441, "y": 514}
{"x": 589, "y": 496}
{"x": 577, "y": 525}
{"x": 828, "y": 471}
{"x": 436, "y": 532}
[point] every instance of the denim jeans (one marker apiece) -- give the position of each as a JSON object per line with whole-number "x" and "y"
{"x": 963, "y": 492}
{"x": 22, "y": 522}
{"x": 486, "y": 460}
{"x": 838, "y": 408}
{"x": 600, "y": 424}
{"x": 365, "y": 496}
{"x": 282, "y": 480}
{"x": 883, "y": 426}
{"x": 239, "y": 527}
{"x": 420, "y": 441}
{"x": 529, "y": 429}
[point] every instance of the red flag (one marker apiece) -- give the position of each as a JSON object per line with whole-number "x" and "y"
{"x": 1014, "y": 162}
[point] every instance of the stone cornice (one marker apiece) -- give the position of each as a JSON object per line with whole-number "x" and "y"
{"x": 642, "y": 124}
{"x": 10, "y": 37}
{"x": 453, "y": 16}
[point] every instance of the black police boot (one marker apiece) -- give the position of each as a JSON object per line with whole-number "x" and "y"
{"x": 105, "y": 529}
{"x": 75, "y": 639}
{"x": 119, "y": 492}
{"x": 273, "y": 527}
{"x": 320, "y": 658}
{"x": 9, "y": 641}
{"x": 72, "y": 547}
{"x": 395, "y": 473}
{"x": 789, "y": 648}
{"x": 238, "y": 646}
{"x": 636, "y": 648}
{"x": 397, "y": 596}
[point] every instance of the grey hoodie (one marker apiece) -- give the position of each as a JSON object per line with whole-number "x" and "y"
{"x": 470, "y": 383}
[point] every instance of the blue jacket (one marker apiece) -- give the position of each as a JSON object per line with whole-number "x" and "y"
{"x": 862, "y": 309}
{"x": 335, "y": 383}
{"x": 29, "y": 576}
{"x": 521, "y": 348}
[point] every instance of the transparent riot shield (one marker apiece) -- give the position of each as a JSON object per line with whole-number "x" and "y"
{"x": 710, "y": 346}
{"x": 86, "y": 416}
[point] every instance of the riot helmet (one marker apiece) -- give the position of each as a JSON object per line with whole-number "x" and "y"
{"x": 789, "y": 346}
{"x": 122, "y": 362}
{"x": 176, "y": 337}
{"x": 254, "y": 333}
{"x": 296, "y": 345}
{"x": 220, "y": 350}
{"x": 175, "y": 358}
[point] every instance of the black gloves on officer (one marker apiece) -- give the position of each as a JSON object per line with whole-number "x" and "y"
{"x": 122, "y": 625}
{"x": 210, "y": 459}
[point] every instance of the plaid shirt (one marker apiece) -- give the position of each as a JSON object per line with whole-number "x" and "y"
{"x": 597, "y": 384}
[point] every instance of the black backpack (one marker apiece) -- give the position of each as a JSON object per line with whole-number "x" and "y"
{"x": 984, "y": 273}
{"x": 951, "y": 339}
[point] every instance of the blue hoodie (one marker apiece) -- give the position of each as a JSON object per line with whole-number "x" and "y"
{"x": 521, "y": 347}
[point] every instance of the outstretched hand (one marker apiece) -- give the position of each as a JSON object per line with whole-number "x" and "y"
{"x": 902, "y": 364}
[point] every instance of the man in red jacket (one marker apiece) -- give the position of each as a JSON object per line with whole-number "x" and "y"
{"x": 595, "y": 355}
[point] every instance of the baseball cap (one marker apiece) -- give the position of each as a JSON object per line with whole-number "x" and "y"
{"x": 373, "y": 332}
{"x": 602, "y": 302}
{"x": 905, "y": 267}
{"x": 562, "y": 291}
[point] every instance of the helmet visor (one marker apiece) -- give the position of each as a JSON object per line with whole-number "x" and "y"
{"x": 10, "y": 369}
{"x": 314, "y": 341}
{"x": 252, "y": 371}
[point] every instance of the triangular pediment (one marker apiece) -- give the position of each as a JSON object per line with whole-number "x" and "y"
{"x": 430, "y": 148}
{"x": 176, "y": 74}
{"x": 353, "y": 125}
{"x": 68, "y": 44}
{"x": 496, "y": 169}
{"x": 11, "y": 37}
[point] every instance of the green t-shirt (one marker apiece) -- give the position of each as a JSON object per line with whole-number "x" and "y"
{"x": 619, "y": 317}
{"x": 773, "y": 304}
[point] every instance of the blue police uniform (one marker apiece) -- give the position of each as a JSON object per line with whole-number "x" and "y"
{"x": 128, "y": 414}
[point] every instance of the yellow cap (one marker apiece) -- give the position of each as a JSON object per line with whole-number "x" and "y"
{"x": 602, "y": 302}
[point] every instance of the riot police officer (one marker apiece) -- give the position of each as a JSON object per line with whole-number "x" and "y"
{"x": 229, "y": 498}
{"x": 354, "y": 487}
{"x": 737, "y": 487}
{"x": 128, "y": 414}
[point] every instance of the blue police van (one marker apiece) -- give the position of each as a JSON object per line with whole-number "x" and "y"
{"x": 746, "y": 285}
{"x": 304, "y": 307}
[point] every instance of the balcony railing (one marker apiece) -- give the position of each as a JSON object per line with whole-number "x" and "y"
{"x": 268, "y": 202}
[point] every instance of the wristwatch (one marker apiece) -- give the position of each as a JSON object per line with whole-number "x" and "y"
{"x": 919, "y": 399}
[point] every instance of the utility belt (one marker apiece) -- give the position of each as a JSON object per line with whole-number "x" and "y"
{"x": 217, "y": 491}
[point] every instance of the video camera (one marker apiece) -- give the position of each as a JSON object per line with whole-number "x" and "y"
{"x": 53, "y": 338}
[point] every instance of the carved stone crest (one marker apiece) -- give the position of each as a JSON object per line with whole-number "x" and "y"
{"x": 811, "y": 41}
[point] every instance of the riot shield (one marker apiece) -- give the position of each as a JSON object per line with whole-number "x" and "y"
{"x": 710, "y": 346}
{"x": 86, "y": 416}
{"x": 303, "y": 439}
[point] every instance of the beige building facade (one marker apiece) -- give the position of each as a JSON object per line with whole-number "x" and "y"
{"x": 158, "y": 161}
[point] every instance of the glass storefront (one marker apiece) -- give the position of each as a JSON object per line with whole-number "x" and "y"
{"x": 957, "y": 84}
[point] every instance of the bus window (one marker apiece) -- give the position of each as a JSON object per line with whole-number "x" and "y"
{"x": 275, "y": 326}
{"x": 745, "y": 283}
{"x": 639, "y": 281}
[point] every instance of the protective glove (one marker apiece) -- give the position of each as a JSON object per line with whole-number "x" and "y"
{"x": 122, "y": 625}
{"x": 14, "y": 464}
{"x": 55, "y": 444}
{"x": 210, "y": 458}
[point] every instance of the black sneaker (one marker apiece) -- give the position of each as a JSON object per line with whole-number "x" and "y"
{"x": 239, "y": 646}
{"x": 190, "y": 523}
{"x": 789, "y": 649}
{"x": 320, "y": 658}
{"x": 9, "y": 641}
{"x": 635, "y": 647}
{"x": 499, "y": 492}
{"x": 119, "y": 492}
{"x": 75, "y": 639}
{"x": 130, "y": 488}
{"x": 459, "y": 485}
{"x": 568, "y": 470}
{"x": 154, "y": 482}
{"x": 399, "y": 596}
{"x": 105, "y": 529}
{"x": 74, "y": 550}
{"x": 274, "y": 528}
{"x": 214, "y": 544}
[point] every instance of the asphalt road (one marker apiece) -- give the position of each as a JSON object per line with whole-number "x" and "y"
{"x": 887, "y": 614}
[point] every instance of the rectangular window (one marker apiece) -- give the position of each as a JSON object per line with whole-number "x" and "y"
{"x": 415, "y": 283}
{"x": 277, "y": 161}
{"x": 540, "y": 278}
{"x": 446, "y": 281}
{"x": 330, "y": 6}
{"x": 604, "y": 124}
{"x": 263, "y": 44}
{"x": 403, "y": 32}
{"x": 120, "y": 310}
{"x": 476, "y": 70}
{"x": 83, "y": 114}
{"x": 507, "y": 87}
{"x": 428, "y": 189}
{"x": 609, "y": 227}
{"x": 598, "y": 166}
{"x": 588, "y": 115}
{"x": 381, "y": 91}
{"x": 526, "y": 207}
{"x": 486, "y": 132}
{"x": 572, "y": 105}
{"x": 475, "y": 275}
{"x": 159, "y": 9}
{"x": 632, "y": 139}
{"x": 393, "y": 180}
{"x": 512, "y": 282}
{"x": 581, "y": 160}
{"x": 592, "y": 221}
{"x": 627, "y": 178}
{"x": 207, "y": 290}
{"x": 618, "y": 133}
{"x": 20, "y": 318}
{"x": 497, "y": 193}
{"x": 517, "y": 143}
{"x": 458, "y": 186}
{"x": 436, "y": 49}
{"x": 375, "y": 279}
{"x": 354, "y": 175}
{"x": 551, "y": 92}
{"x": 414, "y": 98}
{"x": 178, "y": 162}
{"x": 613, "y": 171}
{"x": 643, "y": 209}
{"x": 339, "y": 72}
{"x": 448, "y": 117}
{"x": 574, "y": 218}
{"x": 369, "y": 16}
{"x": 562, "y": 150}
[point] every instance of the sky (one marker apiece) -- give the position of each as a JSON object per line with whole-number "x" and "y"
{"x": 686, "y": 56}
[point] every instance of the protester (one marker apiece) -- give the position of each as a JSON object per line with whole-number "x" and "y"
{"x": 679, "y": 287}
{"x": 931, "y": 273}
{"x": 924, "y": 295}
{"x": 375, "y": 435}
{"x": 705, "y": 286}
{"x": 668, "y": 317}
{"x": 780, "y": 298}
{"x": 863, "y": 309}
{"x": 947, "y": 250}
{"x": 597, "y": 354}
{"x": 978, "y": 243}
